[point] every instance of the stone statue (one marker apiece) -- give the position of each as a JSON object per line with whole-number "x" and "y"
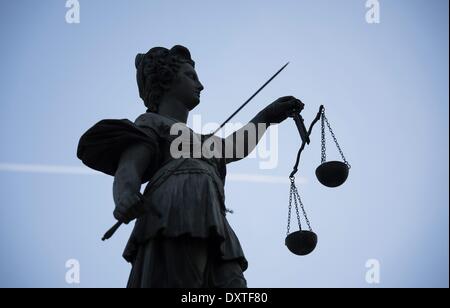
{"x": 181, "y": 237}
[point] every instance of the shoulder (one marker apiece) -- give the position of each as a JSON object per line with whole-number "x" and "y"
{"x": 163, "y": 127}
{"x": 153, "y": 124}
{"x": 149, "y": 120}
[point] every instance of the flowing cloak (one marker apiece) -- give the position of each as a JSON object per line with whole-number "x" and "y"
{"x": 190, "y": 197}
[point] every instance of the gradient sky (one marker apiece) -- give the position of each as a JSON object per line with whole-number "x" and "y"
{"x": 385, "y": 87}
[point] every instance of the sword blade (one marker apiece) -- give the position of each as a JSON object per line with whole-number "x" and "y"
{"x": 248, "y": 101}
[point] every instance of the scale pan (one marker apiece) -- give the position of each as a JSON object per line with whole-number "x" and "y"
{"x": 301, "y": 243}
{"x": 332, "y": 174}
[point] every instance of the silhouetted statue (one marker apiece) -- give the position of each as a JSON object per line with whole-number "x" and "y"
{"x": 181, "y": 237}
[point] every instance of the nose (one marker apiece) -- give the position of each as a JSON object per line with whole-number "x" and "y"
{"x": 200, "y": 86}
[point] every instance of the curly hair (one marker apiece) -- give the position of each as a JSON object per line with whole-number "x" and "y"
{"x": 156, "y": 70}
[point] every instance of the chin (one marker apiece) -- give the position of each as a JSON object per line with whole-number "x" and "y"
{"x": 193, "y": 104}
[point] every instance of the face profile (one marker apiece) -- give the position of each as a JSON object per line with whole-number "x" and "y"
{"x": 186, "y": 86}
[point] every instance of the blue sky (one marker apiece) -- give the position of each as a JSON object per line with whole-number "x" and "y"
{"x": 385, "y": 87}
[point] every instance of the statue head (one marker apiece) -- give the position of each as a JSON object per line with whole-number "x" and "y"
{"x": 163, "y": 72}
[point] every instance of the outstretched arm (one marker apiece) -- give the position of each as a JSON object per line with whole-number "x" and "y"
{"x": 242, "y": 142}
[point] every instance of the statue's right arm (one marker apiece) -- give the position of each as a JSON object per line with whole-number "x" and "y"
{"x": 133, "y": 164}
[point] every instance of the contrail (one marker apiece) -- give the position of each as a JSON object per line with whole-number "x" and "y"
{"x": 72, "y": 170}
{"x": 256, "y": 178}
{"x": 47, "y": 169}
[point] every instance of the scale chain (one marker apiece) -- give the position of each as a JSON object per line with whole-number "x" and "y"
{"x": 324, "y": 145}
{"x": 325, "y": 120}
{"x": 297, "y": 201}
{"x": 296, "y": 208}
{"x": 303, "y": 209}
{"x": 292, "y": 193}
{"x": 290, "y": 208}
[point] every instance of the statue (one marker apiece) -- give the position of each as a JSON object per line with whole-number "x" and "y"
{"x": 181, "y": 238}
